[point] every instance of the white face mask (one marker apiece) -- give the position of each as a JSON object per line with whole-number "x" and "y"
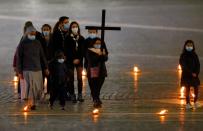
{"x": 61, "y": 60}
{"x": 97, "y": 46}
{"x": 92, "y": 35}
{"x": 189, "y": 48}
{"x": 75, "y": 30}
{"x": 46, "y": 33}
{"x": 31, "y": 37}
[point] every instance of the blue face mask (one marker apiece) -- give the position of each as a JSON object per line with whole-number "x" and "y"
{"x": 189, "y": 48}
{"x": 92, "y": 35}
{"x": 97, "y": 46}
{"x": 66, "y": 26}
{"x": 45, "y": 33}
{"x": 31, "y": 37}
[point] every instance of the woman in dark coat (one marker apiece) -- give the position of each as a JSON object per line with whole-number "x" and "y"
{"x": 59, "y": 33}
{"x": 74, "y": 52}
{"x": 190, "y": 64}
{"x": 96, "y": 69}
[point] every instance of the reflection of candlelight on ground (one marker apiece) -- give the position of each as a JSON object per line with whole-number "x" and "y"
{"x": 84, "y": 73}
{"x": 162, "y": 119}
{"x": 95, "y": 116}
{"x": 25, "y": 117}
{"x": 182, "y": 92}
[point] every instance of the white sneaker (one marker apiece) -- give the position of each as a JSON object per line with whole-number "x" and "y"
{"x": 188, "y": 106}
{"x": 197, "y": 105}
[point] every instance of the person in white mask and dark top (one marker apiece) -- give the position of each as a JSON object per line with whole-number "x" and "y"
{"x": 190, "y": 65}
{"x": 89, "y": 41}
{"x": 96, "y": 69}
{"x": 58, "y": 77}
{"x": 30, "y": 58}
{"x": 74, "y": 52}
{"x": 60, "y": 31}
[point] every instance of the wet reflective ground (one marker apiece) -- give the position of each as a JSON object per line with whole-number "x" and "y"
{"x": 151, "y": 38}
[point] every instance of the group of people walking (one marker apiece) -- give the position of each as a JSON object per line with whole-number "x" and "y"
{"x": 57, "y": 55}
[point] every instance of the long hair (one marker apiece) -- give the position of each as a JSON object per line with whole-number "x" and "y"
{"x": 70, "y": 30}
{"x": 186, "y": 42}
{"x": 60, "y": 21}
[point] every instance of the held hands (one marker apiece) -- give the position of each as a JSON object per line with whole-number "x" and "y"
{"x": 46, "y": 71}
{"x": 76, "y": 61}
{"x": 20, "y": 75}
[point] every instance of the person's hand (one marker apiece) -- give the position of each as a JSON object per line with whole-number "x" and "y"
{"x": 194, "y": 74}
{"x": 104, "y": 52}
{"x": 100, "y": 52}
{"x": 46, "y": 71}
{"x": 20, "y": 75}
{"x": 76, "y": 61}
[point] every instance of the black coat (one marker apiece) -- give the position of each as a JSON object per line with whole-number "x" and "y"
{"x": 94, "y": 60}
{"x": 58, "y": 72}
{"x": 48, "y": 48}
{"x": 74, "y": 49}
{"x": 88, "y": 44}
{"x": 58, "y": 38}
{"x": 189, "y": 62}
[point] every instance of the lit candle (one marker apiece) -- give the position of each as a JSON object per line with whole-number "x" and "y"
{"x": 95, "y": 112}
{"x": 25, "y": 108}
{"x": 15, "y": 79}
{"x": 163, "y": 112}
{"x": 84, "y": 73}
{"x": 179, "y": 67}
{"x": 136, "y": 69}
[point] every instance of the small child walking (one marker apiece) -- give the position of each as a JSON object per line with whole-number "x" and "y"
{"x": 58, "y": 77}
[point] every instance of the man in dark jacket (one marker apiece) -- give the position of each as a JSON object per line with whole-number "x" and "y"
{"x": 30, "y": 58}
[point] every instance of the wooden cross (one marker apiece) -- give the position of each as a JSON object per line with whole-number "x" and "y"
{"x": 103, "y": 27}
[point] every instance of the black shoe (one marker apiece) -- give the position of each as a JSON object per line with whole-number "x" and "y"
{"x": 100, "y": 102}
{"x": 80, "y": 99}
{"x": 97, "y": 104}
{"x": 33, "y": 107}
{"x": 62, "y": 108}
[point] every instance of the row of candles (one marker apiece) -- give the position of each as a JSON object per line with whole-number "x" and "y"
{"x": 136, "y": 70}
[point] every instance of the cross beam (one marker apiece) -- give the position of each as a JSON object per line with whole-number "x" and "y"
{"x": 103, "y": 27}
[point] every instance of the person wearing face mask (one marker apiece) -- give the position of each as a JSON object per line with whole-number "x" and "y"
{"x": 21, "y": 82}
{"x": 89, "y": 41}
{"x": 30, "y": 58}
{"x": 48, "y": 51}
{"x": 96, "y": 70}
{"x": 190, "y": 64}
{"x": 58, "y": 76}
{"x": 60, "y": 31}
{"x": 74, "y": 48}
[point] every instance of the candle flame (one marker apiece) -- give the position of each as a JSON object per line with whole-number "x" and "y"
{"x": 15, "y": 79}
{"x": 182, "y": 92}
{"x": 25, "y": 108}
{"x": 84, "y": 73}
{"x": 136, "y": 69}
{"x": 95, "y": 111}
{"x": 179, "y": 67}
{"x": 163, "y": 112}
